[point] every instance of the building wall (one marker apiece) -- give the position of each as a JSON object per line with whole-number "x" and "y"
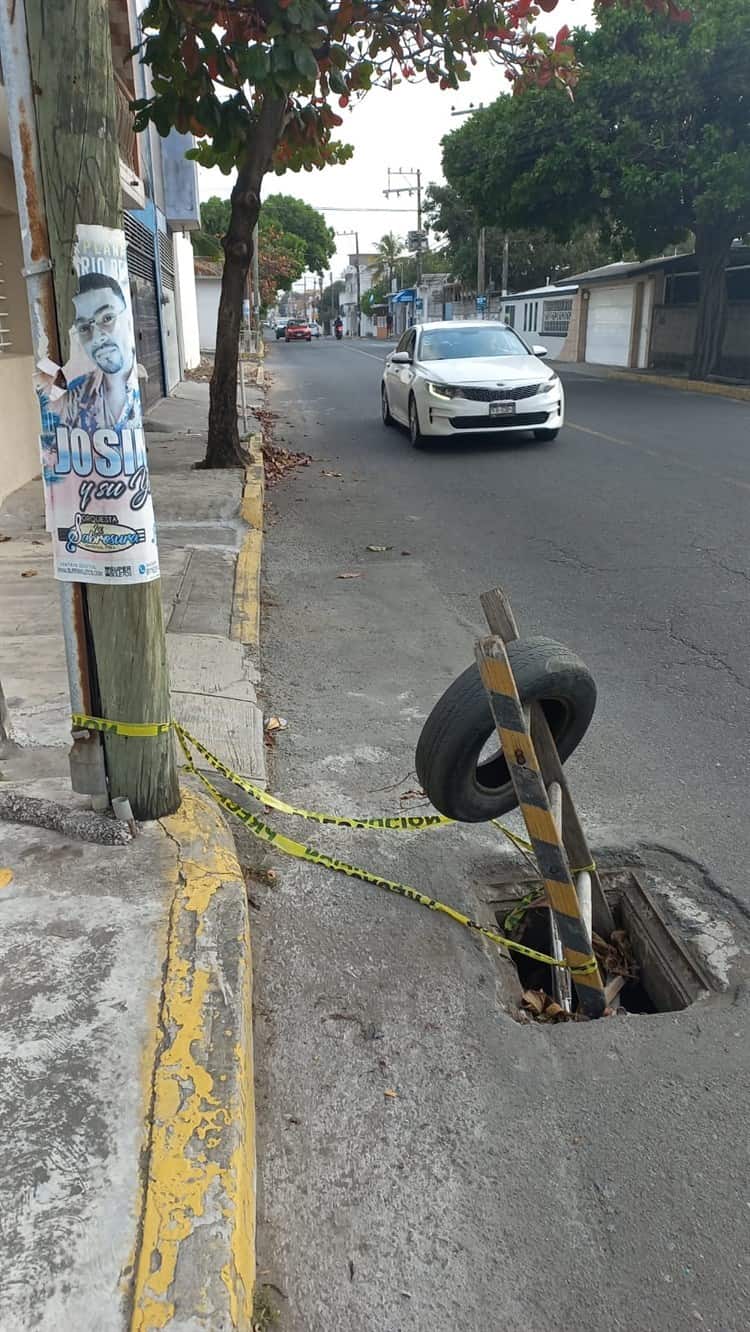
{"x": 19, "y": 435}
{"x": 673, "y": 332}
{"x": 19, "y": 439}
{"x": 187, "y": 301}
{"x": 208, "y": 289}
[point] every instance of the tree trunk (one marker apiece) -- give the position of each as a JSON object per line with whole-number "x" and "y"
{"x": 712, "y": 247}
{"x": 224, "y": 446}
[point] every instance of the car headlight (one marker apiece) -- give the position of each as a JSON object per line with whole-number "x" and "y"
{"x": 552, "y": 384}
{"x": 442, "y": 391}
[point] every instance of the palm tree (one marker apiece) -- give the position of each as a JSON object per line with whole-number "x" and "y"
{"x": 388, "y": 249}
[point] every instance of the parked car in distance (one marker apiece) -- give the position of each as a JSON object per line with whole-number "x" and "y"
{"x": 281, "y": 328}
{"x": 453, "y": 378}
{"x": 298, "y": 330}
{"x": 315, "y": 328}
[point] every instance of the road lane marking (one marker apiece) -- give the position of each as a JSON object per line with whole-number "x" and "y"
{"x": 663, "y": 456}
{"x": 372, "y": 355}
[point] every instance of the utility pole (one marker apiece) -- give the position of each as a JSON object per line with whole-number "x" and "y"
{"x": 355, "y": 234}
{"x": 481, "y": 265}
{"x": 414, "y": 186}
{"x": 61, "y": 105}
{"x": 506, "y": 261}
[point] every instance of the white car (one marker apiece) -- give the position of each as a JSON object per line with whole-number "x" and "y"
{"x": 458, "y": 377}
{"x": 315, "y": 328}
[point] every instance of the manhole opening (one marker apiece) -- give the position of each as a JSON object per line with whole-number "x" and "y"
{"x": 664, "y": 975}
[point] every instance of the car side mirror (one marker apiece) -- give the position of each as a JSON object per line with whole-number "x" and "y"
{"x": 401, "y": 358}
{"x": 540, "y": 351}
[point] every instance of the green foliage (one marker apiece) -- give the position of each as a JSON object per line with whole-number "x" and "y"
{"x": 534, "y": 255}
{"x": 215, "y": 214}
{"x": 215, "y": 66}
{"x": 295, "y": 216}
{"x": 390, "y": 249}
{"x": 655, "y": 144}
{"x": 376, "y": 295}
{"x": 329, "y": 305}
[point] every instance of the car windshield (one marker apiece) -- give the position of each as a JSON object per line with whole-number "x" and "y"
{"x": 457, "y": 344}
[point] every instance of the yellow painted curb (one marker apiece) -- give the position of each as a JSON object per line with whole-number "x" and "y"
{"x": 735, "y": 391}
{"x": 245, "y": 625}
{"x": 196, "y": 1259}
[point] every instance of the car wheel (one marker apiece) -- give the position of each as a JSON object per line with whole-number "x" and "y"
{"x": 387, "y": 418}
{"x": 460, "y": 766}
{"x": 415, "y": 432}
{"x": 548, "y": 435}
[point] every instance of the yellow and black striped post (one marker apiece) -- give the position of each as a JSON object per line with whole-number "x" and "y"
{"x": 515, "y": 738}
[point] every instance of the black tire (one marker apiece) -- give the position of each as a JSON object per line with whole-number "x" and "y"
{"x": 548, "y": 435}
{"x": 460, "y": 724}
{"x": 387, "y": 418}
{"x": 415, "y": 432}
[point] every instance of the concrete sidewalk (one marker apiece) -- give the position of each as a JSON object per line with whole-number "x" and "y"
{"x": 127, "y": 1163}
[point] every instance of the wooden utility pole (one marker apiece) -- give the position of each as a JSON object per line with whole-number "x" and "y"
{"x": 70, "y": 55}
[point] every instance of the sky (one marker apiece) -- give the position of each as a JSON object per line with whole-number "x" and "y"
{"x": 400, "y": 129}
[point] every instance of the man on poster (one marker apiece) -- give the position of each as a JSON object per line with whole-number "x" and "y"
{"x": 95, "y": 469}
{"x": 108, "y": 395}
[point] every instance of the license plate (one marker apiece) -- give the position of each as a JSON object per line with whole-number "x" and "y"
{"x": 502, "y": 409}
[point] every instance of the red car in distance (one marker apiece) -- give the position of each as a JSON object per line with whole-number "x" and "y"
{"x": 298, "y": 330}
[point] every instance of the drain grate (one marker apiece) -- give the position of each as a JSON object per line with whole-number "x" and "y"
{"x": 666, "y": 976}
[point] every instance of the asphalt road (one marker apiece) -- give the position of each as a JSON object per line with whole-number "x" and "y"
{"x": 520, "y": 1177}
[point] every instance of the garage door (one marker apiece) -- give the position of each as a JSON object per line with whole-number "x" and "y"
{"x": 608, "y": 327}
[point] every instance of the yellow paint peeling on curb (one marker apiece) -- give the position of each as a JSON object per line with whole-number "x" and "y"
{"x": 736, "y": 391}
{"x": 201, "y": 1165}
{"x": 246, "y": 600}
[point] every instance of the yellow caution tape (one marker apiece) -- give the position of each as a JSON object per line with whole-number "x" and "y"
{"x": 299, "y": 851}
{"x": 396, "y": 823}
{"x": 81, "y": 721}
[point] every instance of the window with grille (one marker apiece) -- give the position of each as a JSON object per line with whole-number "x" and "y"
{"x": 556, "y": 317}
{"x": 5, "y": 339}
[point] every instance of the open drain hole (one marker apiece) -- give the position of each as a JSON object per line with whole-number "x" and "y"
{"x": 667, "y": 974}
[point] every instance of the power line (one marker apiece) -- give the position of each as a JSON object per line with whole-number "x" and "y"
{"x": 339, "y": 209}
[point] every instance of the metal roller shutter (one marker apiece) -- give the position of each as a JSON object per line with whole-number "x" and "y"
{"x": 144, "y": 295}
{"x": 609, "y": 325}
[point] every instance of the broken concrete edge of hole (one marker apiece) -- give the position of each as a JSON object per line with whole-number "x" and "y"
{"x": 671, "y": 976}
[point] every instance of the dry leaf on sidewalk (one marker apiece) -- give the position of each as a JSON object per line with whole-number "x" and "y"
{"x": 6, "y": 877}
{"x": 349, "y": 575}
{"x": 3, "y": 537}
{"x": 276, "y": 724}
{"x": 391, "y": 1093}
{"x": 29, "y": 573}
{"x": 323, "y": 472}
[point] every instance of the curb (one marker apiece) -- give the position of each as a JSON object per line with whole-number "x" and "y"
{"x": 245, "y": 625}
{"x": 195, "y": 1265}
{"x": 736, "y": 391}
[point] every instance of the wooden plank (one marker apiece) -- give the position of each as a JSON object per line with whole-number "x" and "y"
{"x": 515, "y": 738}
{"x": 498, "y": 613}
{"x": 502, "y": 621}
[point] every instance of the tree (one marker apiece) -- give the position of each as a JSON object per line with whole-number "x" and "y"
{"x": 655, "y": 146}
{"x": 329, "y": 305}
{"x": 253, "y": 81}
{"x": 535, "y": 257}
{"x": 377, "y": 295}
{"x": 389, "y": 250}
{"x": 215, "y": 214}
{"x": 281, "y": 260}
{"x": 299, "y": 218}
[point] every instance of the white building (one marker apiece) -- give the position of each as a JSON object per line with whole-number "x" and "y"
{"x": 368, "y": 264}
